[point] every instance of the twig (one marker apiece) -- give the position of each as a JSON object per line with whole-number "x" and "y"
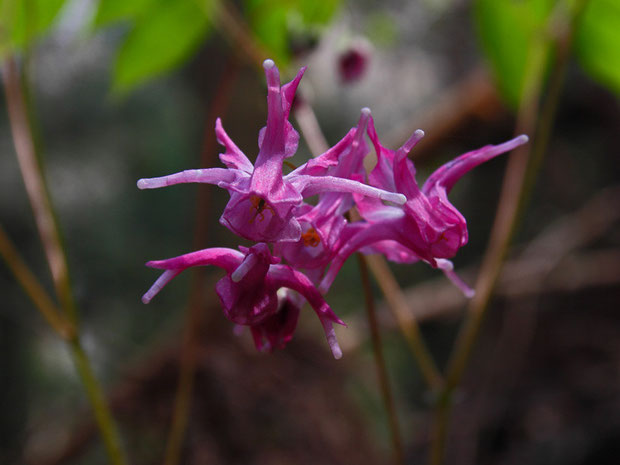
{"x": 520, "y": 276}
{"x": 50, "y": 236}
{"x": 42, "y": 301}
{"x": 384, "y": 381}
{"x": 397, "y": 302}
{"x": 520, "y": 174}
{"x": 35, "y": 186}
{"x": 227, "y": 20}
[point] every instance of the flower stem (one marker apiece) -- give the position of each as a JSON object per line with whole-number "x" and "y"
{"x": 405, "y": 319}
{"x": 521, "y": 172}
{"x": 33, "y": 288}
{"x": 103, "y": 416}
{"x": 228, "y": 21}
{"x": 384, "y": 382}
{"x": 56, "y": 257}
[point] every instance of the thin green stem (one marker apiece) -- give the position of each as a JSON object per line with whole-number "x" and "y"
{"x": 521, "y": 172}
{"x": 35, "y": 186}
{"x": 52, "y": 244}
{"x": 103, "y": 416}
{"x": 514, "y": 198}
{"x": 33, "y": 288}
{"x": 397, "y": 303}
{"x": 227, "y": 20}
{"x": 439, "y": 432}
{"x": 382, "y": 373}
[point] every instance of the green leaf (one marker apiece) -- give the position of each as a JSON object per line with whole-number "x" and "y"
{"x": 160, "y": 40}
{"x": 317, "y": 12}
{"x": 276, "y": 22}
{"x": 110, "y": 11}
{"x": 508, "y": 29}
{"x": 597, "y": 44}
{"x": 21, "y": 21}
{"x": 268, "y": 24}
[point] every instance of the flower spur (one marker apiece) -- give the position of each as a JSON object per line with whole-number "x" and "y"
{"x": 263, "y": 201}
{"x": 249, "y": 291}
{"x": 427, "y": 227}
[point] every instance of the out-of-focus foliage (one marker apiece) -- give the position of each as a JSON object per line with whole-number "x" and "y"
{"x": 23, "y": 20}
{"x": 110, "y": 11}
{"x": 279, "y": 23}
{"x": 598, "y": 42}
{"x": 165, "y": 33}
{"x": 509, "y": 29}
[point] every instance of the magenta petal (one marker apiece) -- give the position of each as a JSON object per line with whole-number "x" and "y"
{"x": 216, "y": 176}
{"x": 222, "y": 257}
{"x": 285, "y": 276}
{"x": 312, "y": 185}
{"x": 382, "y": 175}
{"x": 233, "y": 157}
{"x": 446, "y": 176}
{"x": 253, "y": 217}
{"x": 289, "y": 90}
{"x": 318, "y": 166}
{"x": 158, "y": 285}
{"x": 448, "y": 269}
{"x": 392, "y": 250}
{"x": 277, "y": 329}
{"x": 227, "y": 259}
{"x": 246, "y": 303}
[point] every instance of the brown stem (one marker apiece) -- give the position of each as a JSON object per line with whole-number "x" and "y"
{"x": 33, "y": 288}
{"x": 230, "y": 24}
{"x": 48, "y": 230}
{"x": 520, "y": 174}
{"x": 384, "y": 381}
{"x": 36, "y": 187}
{"x": 406, "y": 320}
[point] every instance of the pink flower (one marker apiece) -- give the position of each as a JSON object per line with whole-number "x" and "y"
{"x": 249, "y": 291}
{"x": 324, "y": 226}
{"x": 263, "y": 201}
{"x": 427, "y": 227}
{"x": 275, "y": 331}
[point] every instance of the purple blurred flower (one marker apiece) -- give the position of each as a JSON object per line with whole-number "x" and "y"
{"x": 263, "y": 201}
{"x": 249, "y": 291}
{"x": 353, "y": 62}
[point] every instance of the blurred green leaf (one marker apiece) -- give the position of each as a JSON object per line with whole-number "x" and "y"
{"x": 161, "y": 39}
{"x": 275, "y": 23}
{"x": 508, "y": 29}
{"x": 21, "y": 21}
{"x": 597, "y": 43}
{"x": 109, "y": 11}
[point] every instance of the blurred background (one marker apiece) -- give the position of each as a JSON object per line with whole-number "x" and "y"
{"x": 124, "y": 90}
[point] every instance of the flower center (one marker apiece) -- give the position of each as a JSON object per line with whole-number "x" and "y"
{"x": 260, "y": 205}
{"x": 311, "y": 238}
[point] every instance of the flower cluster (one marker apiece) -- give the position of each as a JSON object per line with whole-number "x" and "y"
{"x": 301, "y": 246}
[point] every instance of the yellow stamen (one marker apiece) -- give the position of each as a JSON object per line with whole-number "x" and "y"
{"x": 311, "y": 238}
